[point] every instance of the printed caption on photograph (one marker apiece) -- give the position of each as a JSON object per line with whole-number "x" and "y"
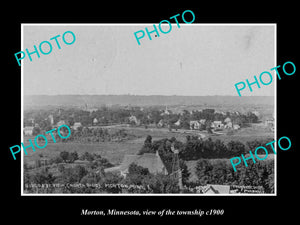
{"x": 159, "y": 213}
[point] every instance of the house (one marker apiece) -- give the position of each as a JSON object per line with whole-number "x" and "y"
{"x": 160, "y": 123}
{"x": 227, "y": 120}
{"x": 228, "y": 125}
{"x": 61, "y": 122}
{"x": 236, "y": 127}
{"x": 269, "y": 122}
{"x": 31, "y": 120}
{"x": 256, "y": 113}
{"x": 166, "y": 112}
{"x": 194, "y": 125}
{"x": 217, "y": 125}
{"x": 28, "y": 130}
{"x": 202, "y": 121}
{"x": 76, "y": 125}
{"x": 133, "y": 119}
{"x": 51, "y": 118}
{"x": 177, "y": 123}
{"x": 216, "y": 189}
{"x": 95, "y": 121}
{"x": 150, "y": 161}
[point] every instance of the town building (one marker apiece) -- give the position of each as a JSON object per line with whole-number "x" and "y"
{"x": 60, "y": 123}
{"x": 160, "y": 123}
{"x": 28, "y": 131}
{"x": 217, "y": 125}
{"x": 216, "y": 189}
{"x": 76, "y": 125}
{"x": 195, "y": 125}
{"x": 95, "y": 121}
{"x": 177, "y": 123}
{"x": 134, "y": 120}
{"x": 236, "y": 126}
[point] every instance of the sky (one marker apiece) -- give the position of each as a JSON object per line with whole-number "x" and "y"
{"x": 105, "y": 59}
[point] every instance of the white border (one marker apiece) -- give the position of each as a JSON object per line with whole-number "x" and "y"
{"x": 143, "y": 24}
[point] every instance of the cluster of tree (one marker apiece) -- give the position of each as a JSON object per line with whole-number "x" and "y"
{"x": 99, "y": 182}
{"x": 93, "y": 160}
{"x": 195, "y": 148}
{"x": 158, "y": 183}
{"x": 146, "y": 116}
{"x": 68, "y": 172}
{"x": 258, "y": 174}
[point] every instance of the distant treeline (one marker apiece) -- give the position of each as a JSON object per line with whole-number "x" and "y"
{"x": 141, "y": 100}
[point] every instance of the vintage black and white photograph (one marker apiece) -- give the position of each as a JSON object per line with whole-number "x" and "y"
{"x": 177, "y": 113}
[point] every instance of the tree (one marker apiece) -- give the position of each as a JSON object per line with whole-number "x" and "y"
{"x": 184, "y": 171}
{"x": 161, "y": 183}
{"x": 64, "y": 155}
{"x": 36, "y": 131}
{"x": 60, "y": 168}
{"x": 72, "y": 157}
{"x": 147, "y": 147}
{"x": 87, "y": 156}
{"x": 236, "y": 148}
{"x": 204, "y": 171}
{"x": 44, "y": 177}
{"x": 136, "y": 174}
{"x": 111, "y": 178}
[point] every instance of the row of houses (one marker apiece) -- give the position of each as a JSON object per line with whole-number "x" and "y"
{"x": 217, "y": 125}
{"x": 28, "y": 130}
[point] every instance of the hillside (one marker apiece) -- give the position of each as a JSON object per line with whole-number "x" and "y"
{"x": 41, "y": 101}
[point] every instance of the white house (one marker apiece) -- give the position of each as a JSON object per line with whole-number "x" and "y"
{"x": 61, "y": 122}
{"x": 217, "y": 125}
{"x": 95, "y": 121}
{"x": 202, "y": 121}
{"x": 165, "y": 112}
{"x": 228, "y": 125}
{"x": 177, "y": 123}
{"x": 216, "y": 189}
{"x": 50, "y": 117}
{"x": 195, "y": 125}
{"x": 133, "y": 119}
{"x": 269, "y": 122}
{"x": 236, "y": 127}
{"x": 227, "y": 120}
{"x": 76, "y": 125}
{"x": 160, "y": 123}
{"x": 28, "y": 130}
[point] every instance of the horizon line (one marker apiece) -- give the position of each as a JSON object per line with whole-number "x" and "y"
{"x": 149, "y": 95}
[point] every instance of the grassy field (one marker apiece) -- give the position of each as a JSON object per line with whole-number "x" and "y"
{"x": 245, "y": 134}
{"x": 113, "y": 151}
